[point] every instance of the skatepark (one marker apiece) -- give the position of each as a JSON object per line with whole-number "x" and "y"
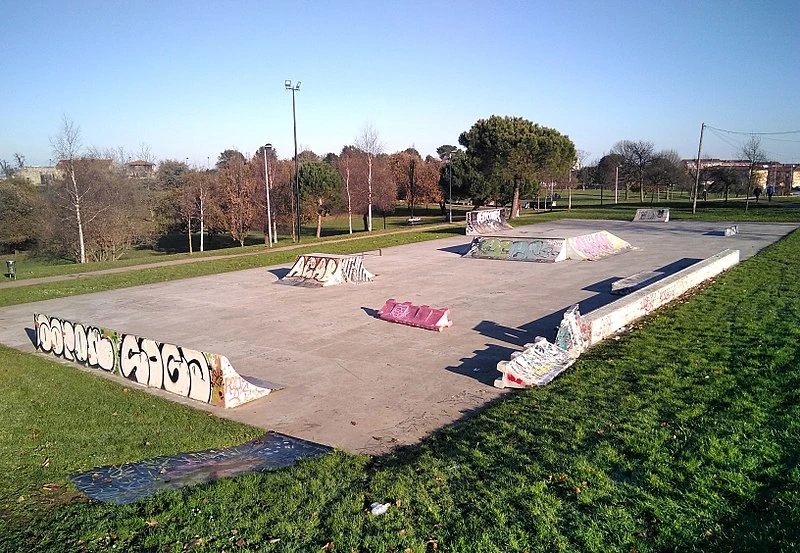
{"x": 351, "y": 380}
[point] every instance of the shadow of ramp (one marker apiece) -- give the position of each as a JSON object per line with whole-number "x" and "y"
{"x": 279, "y": 273}
{"x": 371, "y": 312}
{"x": 460, "y": 249}
{"x": 482, "y": 366}
{"x": 31, "y": 335}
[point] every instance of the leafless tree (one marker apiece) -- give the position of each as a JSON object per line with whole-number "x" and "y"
{"x": 67, "y": 146}
{"x": 369, "y": 142}
{"x": 754, "y": 154}
{"x": 636, "y": 155}
{"x": 346, "y": 163}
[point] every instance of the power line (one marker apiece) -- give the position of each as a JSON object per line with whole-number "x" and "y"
{"x": 753, "y": 133}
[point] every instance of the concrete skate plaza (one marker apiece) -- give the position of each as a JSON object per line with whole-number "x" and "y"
{"x": 365, "y": 385}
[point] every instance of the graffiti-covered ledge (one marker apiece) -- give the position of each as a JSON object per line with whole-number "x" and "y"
{"x": 197, "y": 375}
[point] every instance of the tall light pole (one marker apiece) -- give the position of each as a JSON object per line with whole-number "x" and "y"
{"x": 266, "y": 186}
{"x": 450, "y": 213}
{"x": 294, "y": 88}
{"x": 616, "y": 186}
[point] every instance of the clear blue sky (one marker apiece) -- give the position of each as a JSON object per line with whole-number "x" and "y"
{"x": 194, "y": 78}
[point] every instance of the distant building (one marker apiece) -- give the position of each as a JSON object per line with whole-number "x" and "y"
{"x": 140, "y": 169}
{"x": 783, "y": 176}
{"x": 39, "y": 175}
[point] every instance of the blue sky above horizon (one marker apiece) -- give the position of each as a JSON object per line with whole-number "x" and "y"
{"x": 191, "y": 79}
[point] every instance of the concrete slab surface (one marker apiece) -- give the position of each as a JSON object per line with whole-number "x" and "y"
{"x": 366, "y": 385}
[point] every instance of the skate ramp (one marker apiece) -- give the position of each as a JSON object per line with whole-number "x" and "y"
{"x": 518, "y": 248}
{"x": 314, "y": 270}
{"x": 486, "y": 221}
{"x": 197, "y": 375}
{"x": 595, "y": 245}
{"x": 660, "y": 215}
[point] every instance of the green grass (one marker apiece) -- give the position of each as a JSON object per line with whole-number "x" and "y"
{"x": 683, "y": 435}
{"x": 148, "y": 275}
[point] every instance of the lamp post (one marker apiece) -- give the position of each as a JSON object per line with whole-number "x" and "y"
{"x": 266, "y": 187}
{"x": 294, "y": 88}
{"x": 616, "y": 186}
{"x": 450, "y": 212}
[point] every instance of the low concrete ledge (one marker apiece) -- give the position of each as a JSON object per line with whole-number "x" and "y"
{"x": 602, "y": 323}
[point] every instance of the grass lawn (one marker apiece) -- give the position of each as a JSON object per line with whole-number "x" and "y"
{"x": 683, "y": 435}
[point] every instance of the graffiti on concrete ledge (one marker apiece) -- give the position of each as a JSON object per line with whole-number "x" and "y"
{"x": 189, "y": 373}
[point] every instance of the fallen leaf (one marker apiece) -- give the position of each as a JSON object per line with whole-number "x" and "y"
{"x": 51, "y": 487}
{"x": 398, "y": 502}
{"x": 152, "y": 523}
{"x": 241, "y": 542}
{"x": 274, "y": 540}
{"x": 576, "y": 489}
{"x": 20, "y": 499}
{"x": 125, "y": 390}
{"x": 196, "y": 542}
{"x": 46, "y": 462}
{"x": 601, "y": 431}
{"x": 401, "y": 532}
{"x": 329, "y": 546}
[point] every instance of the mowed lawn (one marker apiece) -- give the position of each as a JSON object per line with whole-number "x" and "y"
{"x": 681, "y": 435}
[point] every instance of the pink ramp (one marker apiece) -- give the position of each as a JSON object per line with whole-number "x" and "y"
{"x": 422, "y": 316}
{"x": 595, "y": 245}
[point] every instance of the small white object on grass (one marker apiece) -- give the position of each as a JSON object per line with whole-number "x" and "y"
{"x": 379, "y": 508}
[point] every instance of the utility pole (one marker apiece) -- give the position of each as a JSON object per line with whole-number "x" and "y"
{"x": 697, "y": 168}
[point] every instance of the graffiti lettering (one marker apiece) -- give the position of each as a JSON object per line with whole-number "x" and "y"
{"x": 205, "y": 377}
{"x": 90, "y": 346}
{"x": 315, "y": 270}
{"x": 541, "y": 250}
{"x": 486, "y": 221}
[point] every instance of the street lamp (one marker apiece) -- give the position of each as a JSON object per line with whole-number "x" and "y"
{"x": 288, "y": 84}
{"x": 616, "y": 186}
{"x": 266, "y": 186}
{"x": 450, "y": 213}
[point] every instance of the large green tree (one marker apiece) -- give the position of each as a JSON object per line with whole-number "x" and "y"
{"x": 320, "y": 190}
{"x": 20, "y": 209}
{"x": 515, "y": 155}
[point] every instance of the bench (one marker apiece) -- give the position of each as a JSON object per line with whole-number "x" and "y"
{"x": 414, "y": 220}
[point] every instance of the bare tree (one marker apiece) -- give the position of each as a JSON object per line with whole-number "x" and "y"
{"x": 636, "y": 155}
{"x": 346, "y": 164}
{"x": 66, "y": 148}
{"x": 369, "y": 142}
{"x": 20, "y": 159}
{"x": 752, "y": 152}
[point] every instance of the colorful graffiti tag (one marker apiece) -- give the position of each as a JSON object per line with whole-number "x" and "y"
{"x": 538, "y": 250}
{"x": 189, "y": 373}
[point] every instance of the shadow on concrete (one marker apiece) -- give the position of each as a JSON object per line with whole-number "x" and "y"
{"x": 279, "y": 273}
{"x": 371, "y": 312}
{"x": 714, "y": 233}
{"x": 31, "y": 335}
{"x": 460, "y": 249}
{"x": 482, "y": 366}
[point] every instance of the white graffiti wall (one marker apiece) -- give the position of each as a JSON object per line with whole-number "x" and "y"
{"x": 189, "y": 373}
